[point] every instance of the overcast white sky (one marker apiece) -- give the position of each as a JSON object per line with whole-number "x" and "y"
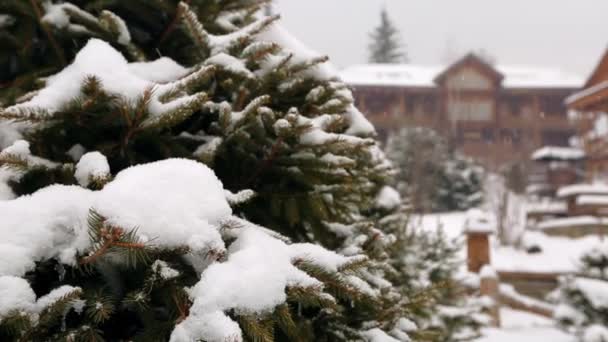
{"x": 570, "y": 34}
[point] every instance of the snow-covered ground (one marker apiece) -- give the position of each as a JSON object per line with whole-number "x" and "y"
{"x": 519, "y": 326}
{"x": 558, "y": 254}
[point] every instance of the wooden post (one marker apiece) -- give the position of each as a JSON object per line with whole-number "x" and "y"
{"x": 488, "y": 287}
{"x": 478, "y": 251}
{"x": 478, "y": 229}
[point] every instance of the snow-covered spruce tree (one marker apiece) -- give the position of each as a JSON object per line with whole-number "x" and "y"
{"x": 425, "y": 266}
{"x": 385, "y": 46}
{"x": 430, "y": 176}
{"x": 582, "y": 306}
{"x": 122, "y": 241}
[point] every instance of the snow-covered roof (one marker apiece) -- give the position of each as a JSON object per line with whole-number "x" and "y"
{"x": 586, "y": 92}
{"x": 560, "y": 153}
{"x": 583, "y": 189}
{"x": 546, "y": 207}
{"x": 576, "y": 221}
{"x": 478, "y": 221}
{"x": 411, "y": 75}
{"x": 391, "y": 75}
{"x": 592, "y": 200}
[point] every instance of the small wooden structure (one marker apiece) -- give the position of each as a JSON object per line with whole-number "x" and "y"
{"x": 554, "y": 167}
{"x": 478, "y": 231}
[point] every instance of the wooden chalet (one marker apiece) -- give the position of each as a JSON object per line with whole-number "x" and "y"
{"x": 590, "y": 110}
{"x": 496, "y": 114}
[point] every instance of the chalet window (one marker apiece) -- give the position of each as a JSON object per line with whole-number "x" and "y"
{"x": 469, "y": 79}
{"x": 511, "y": 136}
{"x": 410, "y": 104}
{"x": 487, "y": 135}
{"x": 429, "y": 105}
{"x": 552, "y": 105}
{"x": 471, "y": 135}
{"x": 380, "y": 102}
{"x": 470, "y": 109}
{"x": 556, "y": 137}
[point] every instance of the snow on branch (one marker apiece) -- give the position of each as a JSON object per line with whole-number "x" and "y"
{"x": 173, "y": 203}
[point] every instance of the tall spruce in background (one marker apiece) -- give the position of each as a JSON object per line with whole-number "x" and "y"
{"x": 385, "y": 43}
{"x": 233, "y": 91}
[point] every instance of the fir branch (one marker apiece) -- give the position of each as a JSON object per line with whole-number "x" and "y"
{"x": 33, "y": 114}
{"x": 173, "y": 23}
{"x": 106, "y": 239}
{"x": 58, "y": 51}
{"x": 300, "y": 67}
{"x": 55, "y": 312}
{"x": 258, "y": 330}
{"x": 14, "y": 162}
{"x": 194, "y": 27}
{"x": 99, "y": 308}
{"x": 284, "y": 319}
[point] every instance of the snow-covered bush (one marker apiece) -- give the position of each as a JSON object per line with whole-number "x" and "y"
{"x": 428, "y": 264}
{"x": 583, "y": 299}
{"x": 430, "y": 176}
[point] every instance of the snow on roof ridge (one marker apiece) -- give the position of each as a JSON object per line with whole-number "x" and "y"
{"x": 556, "y": 152}
{"x": 572, "y": 221}
{"x": 516, "y": 76}
{"x": 592, "y": 200}
{"x": 579, "y": 189}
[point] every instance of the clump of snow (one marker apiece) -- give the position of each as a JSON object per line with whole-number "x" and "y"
{"x": 564, "y": 312}
{"x": 124, "y": 36}
{"x": 98, "y": 58}
{"x": 58, "y": 15}
{"x": 92, "y": 165}
{"x": 488, "y": 272}
{"x": 558, "y": 153}
{"x": 20, "y": 148}
{"x": 174, "y": 203}
{"x": 15, "y": 295}
{"x": 161, "y": 70}
{"x": 377, "y": 335}
{"x": 76, "y": 151}
{"x": 54, "y": 296}
{"x": 278, "y": 34}
{"x": 240, "y": 197}
{"x": 164, "y": 270}
{"x": 230, "y": 63}
{"x": 596, "y": 291}
{"x": 6, "y": 20}
{"x": 253, "y": 279}
{"x": 158, "y": 198}
{"x": 595, "y": 333}
{"x": 388, "y": 198}
{"x": 478, "y": 221}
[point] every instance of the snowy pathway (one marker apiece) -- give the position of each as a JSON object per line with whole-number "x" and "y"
{"x": 524, "y": 327}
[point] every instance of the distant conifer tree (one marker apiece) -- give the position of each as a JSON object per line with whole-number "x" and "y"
{"x": 385, "y": 45}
